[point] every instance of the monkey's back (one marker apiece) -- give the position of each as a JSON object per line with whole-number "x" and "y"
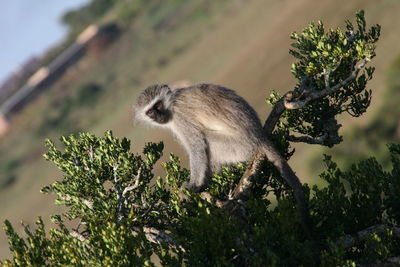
{"x": 217, "y": 110}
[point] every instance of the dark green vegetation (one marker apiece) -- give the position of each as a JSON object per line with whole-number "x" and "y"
{"x": 123, "y": 216}
{"x": 127, "y": 219}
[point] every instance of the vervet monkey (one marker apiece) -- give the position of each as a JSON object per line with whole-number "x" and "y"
{"x": 216, "y": 127}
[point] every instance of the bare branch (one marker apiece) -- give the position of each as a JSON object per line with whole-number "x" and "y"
{"x": 327, "y": 74}
{"x": 87, "y": 203}
{"x": 351, "y": 240}
{"x": 122, "y": 203}
{"x": 309, "y": 140}
{"x": 291, "y": 100}
{"x": 91, "y": 154}
{"x": 135, "y": 185}
{"x": 279, "y": 107}
{"x": 78, "y": 236}
{"x": 156, "y": 236}
{"x": 314, "y": 94}
{"x": 394, "y": 260}
{"x": 274, "y": 117}
{"x": 247, "y": 180}
{"x": 389, "y": 262}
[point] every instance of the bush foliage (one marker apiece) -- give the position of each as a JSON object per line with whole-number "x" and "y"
{"x": 126, "y": 217}
{"x": 122, "y": 215}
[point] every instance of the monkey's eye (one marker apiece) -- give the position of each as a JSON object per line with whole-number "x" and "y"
{"x": 151, "y": 113}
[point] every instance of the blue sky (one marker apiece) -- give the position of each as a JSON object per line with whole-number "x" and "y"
{"x": 28, "y": 28}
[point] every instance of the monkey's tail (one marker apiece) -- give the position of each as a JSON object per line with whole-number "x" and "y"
{"x": 291, "y": 178}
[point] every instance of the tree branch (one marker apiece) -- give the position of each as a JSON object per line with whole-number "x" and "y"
{"x": 87, "y": 203}
{"x": 291, "y": 100}
{"x": 394, "y": 260}
{"x": 239, "y": 194}
{"x": 274, "y": 117}
{"x": 156, "y": 236}
{"x": 351, "y": 240}
{"x": 309, "y": 140}
{"x": 247, "y": 180}
{"x": 78, "y": 236}
{"x": 293, "y": 103}
{"x": 135, "y": 185}
{"x": 389, "y": 262}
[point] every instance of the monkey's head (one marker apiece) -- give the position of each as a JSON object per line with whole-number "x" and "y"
{"x": 153, "y": 103}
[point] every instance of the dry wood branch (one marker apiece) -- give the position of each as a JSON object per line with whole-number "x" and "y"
{"x": 157, "y": 236}
{"x": 274, "y": 117}
{"x": 247, "y": 180}
{"x": 394, "y": 260}
{"x": 279, "y": 108}
{"x": 122, "y": 202}
{"x": 291, "y": 100}
{"x": 307, "y": 139}
{"x": 351, "y": 240}
{"x": 314, "y": 94}
{"x": 298, "y": 99}
{"x": 87, "y": 203}
{"x": 135, "y": 185}
{"x": 389, "y": 262}
{"x": 78, "y": 236}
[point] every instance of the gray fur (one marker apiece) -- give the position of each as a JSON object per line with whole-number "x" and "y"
{"x": 215, "y": 125}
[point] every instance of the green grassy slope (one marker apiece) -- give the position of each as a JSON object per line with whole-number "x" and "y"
{"x": 240, "y": 44}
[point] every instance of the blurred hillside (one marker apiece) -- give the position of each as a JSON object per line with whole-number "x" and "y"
{"x": 241, "y": 44}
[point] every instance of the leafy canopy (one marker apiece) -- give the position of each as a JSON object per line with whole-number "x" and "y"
{"x": 122, "y": 215}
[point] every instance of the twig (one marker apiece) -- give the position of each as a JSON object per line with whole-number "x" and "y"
{"x": 274, "y": 117}
{"x": 389, "y": 262}
{"x": 291, "y": 100}
{"x": 91, "y": 153}
{"x": 87, "y": 203}
{"x": 78, "y": 236}
{"x": 314, "y": 94}
{"x": 279, "y": 107}
{"x": 394, "y": 260}
{"x": 247, "y": 180}
{"x": 156, "y": 236}
{"x": 307, "y": 139}
{"x": 351, "y": 240}
{"x": 135, "y": 185}
{"x": 122, "y": 202}
{"x": 327, "y": 74}
{"x": 120, "y": 198}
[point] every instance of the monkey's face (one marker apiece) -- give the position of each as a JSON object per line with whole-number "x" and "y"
{"x": 152, "y": 105}
{"x": 158, "y": 113}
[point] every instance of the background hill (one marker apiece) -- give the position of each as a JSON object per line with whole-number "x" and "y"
{"x": 239, "y": 44}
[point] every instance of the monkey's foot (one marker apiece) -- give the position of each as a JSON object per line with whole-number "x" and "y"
{"x": 189, "y": 186}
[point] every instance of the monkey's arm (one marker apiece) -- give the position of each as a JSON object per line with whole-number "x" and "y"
{"x": 197, "y": 148}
